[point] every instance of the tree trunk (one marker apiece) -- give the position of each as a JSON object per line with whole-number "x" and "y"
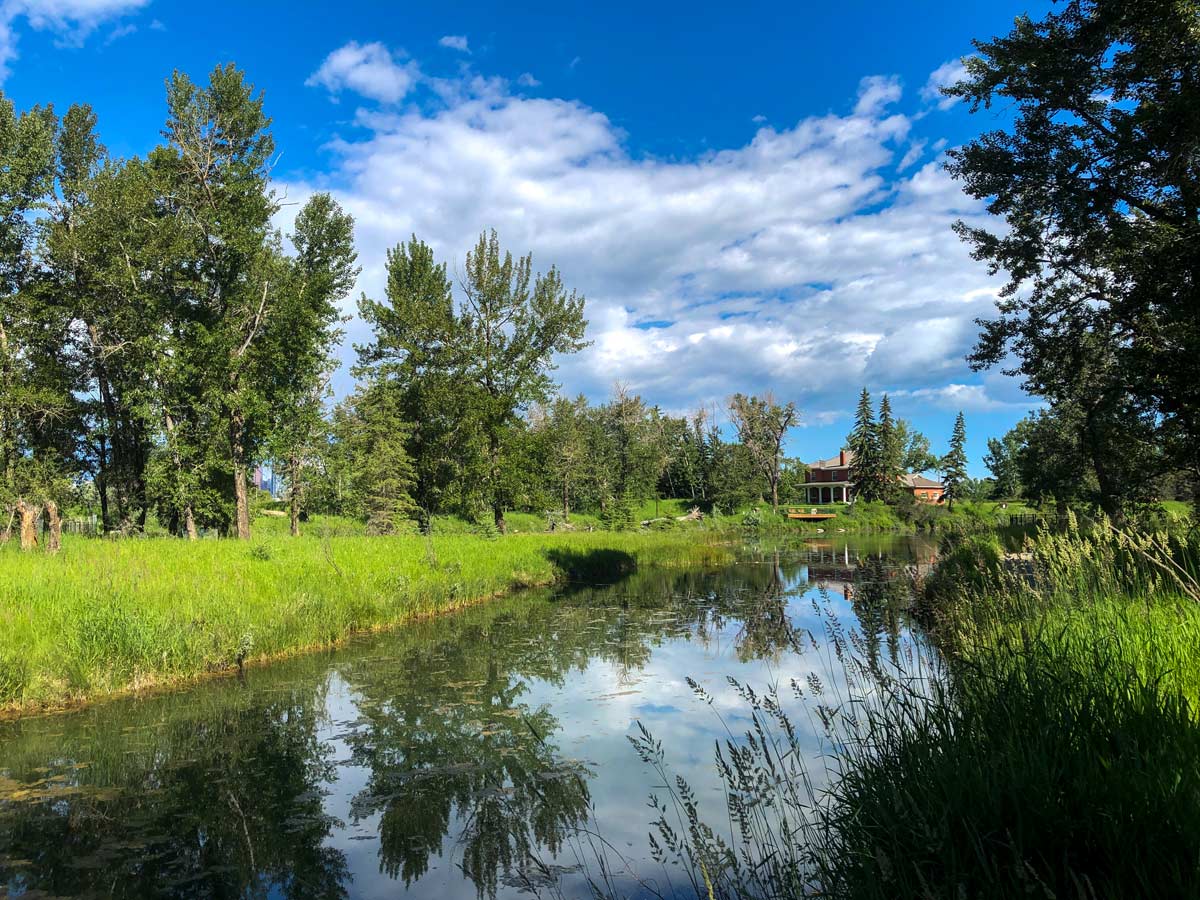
{"x": 29, "y": 517}
{"x": 294, "y": 492}
{"x": 189, "y": 517}
{"x": 102, "y": 484}
{"x": 494, "y": 465}
{"x": 1110, "y": 501}
{"x": 54, "y": 540}
{"x": 242, "y": 499}
{"x": 6, "y": 531}
{"x": 775, "y": 497}
{"x": 237, "y": 448}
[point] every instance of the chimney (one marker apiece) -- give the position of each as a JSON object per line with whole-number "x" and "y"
{"x": 842, "y": 457}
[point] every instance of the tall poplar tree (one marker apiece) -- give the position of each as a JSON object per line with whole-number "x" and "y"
{"x": 29, "y": 401}
{"x": 512, "y": 324}
{"x": 302, "y": 334}
{"x": 217, "y": 166}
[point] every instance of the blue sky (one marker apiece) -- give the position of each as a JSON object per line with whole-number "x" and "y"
{"x": 750, "y": 195}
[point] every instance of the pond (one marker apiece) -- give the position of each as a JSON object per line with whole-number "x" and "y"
{"x": 438, "y": 760}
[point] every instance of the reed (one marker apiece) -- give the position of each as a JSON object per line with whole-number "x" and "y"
{"x": 1044, "y": 743}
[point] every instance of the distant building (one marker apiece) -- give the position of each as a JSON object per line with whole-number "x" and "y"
{"x": 924, "y": 488}
{"x": 829, "y": 479}
{"x": 829, "y": 482}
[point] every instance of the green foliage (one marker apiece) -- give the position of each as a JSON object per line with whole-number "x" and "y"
{"x": 618, "y": 514}
{"x": 866, "y": 467}
{"x": 1001, "y": 460}
{"x": 1099, "y": 311}
{"x": 916, "y": 456}
{"x": 954, "y": 463}
{"x": 471, "y": 369}
{"x": 884, "y": 450}
{"x": 373, "y": 437}
{"x": 762, "y": 426}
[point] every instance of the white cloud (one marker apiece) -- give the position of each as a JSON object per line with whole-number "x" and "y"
{"x": 370, "y": 70}
{"x": 799, "y": 262}
{"x": 72, "y": 21}
{"x": 875, "y": 93}
{"x": 455, "y": 42}
{"x": 964, "y": 397}
{"x": 121, "y": 31}
{"x": 946, "y": 74}
{"x": 915, "y": 151}
{"x": 527, "y": 80}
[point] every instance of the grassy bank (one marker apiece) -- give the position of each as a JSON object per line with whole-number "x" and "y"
{"x": 1060, "y": 752}
{"x": 109, "y": 616}
{"x": 1046, "y": 743}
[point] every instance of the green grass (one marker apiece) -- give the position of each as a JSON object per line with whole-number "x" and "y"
{"x": 1045, "y": 743}
{"x": 108, "y": 616}
{"x": 1060, "y": 752}
{"x": 1060, "y": 761}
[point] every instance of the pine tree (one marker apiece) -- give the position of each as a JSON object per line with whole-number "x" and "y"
{"x": 866, "y": 468}
{"x": 372, "y": 426}
{"x": 891, "y": 449}
{"x": 954, "y": 463}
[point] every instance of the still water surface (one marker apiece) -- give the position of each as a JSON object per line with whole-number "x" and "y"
{"x": 433, "y": 762}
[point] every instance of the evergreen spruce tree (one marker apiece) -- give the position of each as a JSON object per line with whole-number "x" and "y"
{"x": 866, "y": 469}
{"x": 954, "y": 463}
{"x": 381, "y": 470}
{"x": 891, "y": 450}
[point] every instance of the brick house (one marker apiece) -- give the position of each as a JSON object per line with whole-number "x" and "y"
{"x": 829, "y": 482}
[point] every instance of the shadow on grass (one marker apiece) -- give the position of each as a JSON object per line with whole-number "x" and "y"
{"x": 601, "y": 566}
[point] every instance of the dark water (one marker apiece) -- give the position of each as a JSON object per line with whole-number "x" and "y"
{"x": 436, "y": 761}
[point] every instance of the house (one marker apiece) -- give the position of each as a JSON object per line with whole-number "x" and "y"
{"x": 924, "y": 488}
{"x": 829, "y": 479}
{"x": 829, "y": 482}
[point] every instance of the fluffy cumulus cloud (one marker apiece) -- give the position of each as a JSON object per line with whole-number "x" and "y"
{"x": 70, "y": 20}
{"x": 370, "y": 70}
{"x": 948, "y": 73}
{"x": 807, "y": 260}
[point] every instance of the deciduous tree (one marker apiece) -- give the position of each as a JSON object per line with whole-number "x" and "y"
{"x": 762, "y": 425}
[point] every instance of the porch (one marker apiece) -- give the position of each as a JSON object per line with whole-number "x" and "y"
{"x": 827, "y": 492}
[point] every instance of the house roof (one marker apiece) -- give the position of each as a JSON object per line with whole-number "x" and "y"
{"x": 834, "y": 462}
{"x": 920, "y": 481}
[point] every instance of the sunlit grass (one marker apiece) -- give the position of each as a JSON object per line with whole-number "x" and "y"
{"x": 105, "y": 616}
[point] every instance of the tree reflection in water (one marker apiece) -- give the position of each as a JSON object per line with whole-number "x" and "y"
{"x": 225, "y": 790}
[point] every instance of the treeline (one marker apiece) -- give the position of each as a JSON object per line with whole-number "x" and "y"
{"x": 155, "y": 337}
{"x": 385, "y": 465}
{"x": 160, "y": 338}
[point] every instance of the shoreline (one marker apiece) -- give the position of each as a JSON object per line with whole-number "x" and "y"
{"x": 107, "y": 620}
